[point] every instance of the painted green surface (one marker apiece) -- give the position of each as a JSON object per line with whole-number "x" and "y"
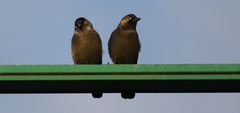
{"x": 121, "y": 72}
{"x": 122, "y": 68}
{"x": 124, "y": 77}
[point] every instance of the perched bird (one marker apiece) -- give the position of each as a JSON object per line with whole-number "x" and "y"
{"x": 124, "y": 45}
{"x": 86, "y": 43}
{"x": 86, "y": 46}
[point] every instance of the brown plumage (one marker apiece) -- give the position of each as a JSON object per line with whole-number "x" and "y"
{"x": 124, "y": 45}
{"x": 86, "y": 43}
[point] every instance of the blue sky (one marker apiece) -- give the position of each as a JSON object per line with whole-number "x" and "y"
{"x": 171, "y": 32}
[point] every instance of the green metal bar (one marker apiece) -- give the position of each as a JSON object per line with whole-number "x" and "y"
{"x": 121, "y": 72}
{"x": 140, "y": 68}
{"x": 143, "y": 78}
{"x": 120, "y": 77}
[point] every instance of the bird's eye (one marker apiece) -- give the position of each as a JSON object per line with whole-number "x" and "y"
{"x": 130, "y": 18}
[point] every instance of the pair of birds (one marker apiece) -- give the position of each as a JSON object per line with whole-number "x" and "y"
{"x": 123, "y": 46}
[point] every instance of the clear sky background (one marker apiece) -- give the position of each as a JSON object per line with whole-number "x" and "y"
{"x": 171, "y": 32}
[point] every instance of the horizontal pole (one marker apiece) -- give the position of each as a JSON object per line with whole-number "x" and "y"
{"x": 120, "y": 69}
{"x": 141, "y": 78}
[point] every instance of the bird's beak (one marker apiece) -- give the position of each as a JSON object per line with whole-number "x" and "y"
{"x": 137, "y": 19}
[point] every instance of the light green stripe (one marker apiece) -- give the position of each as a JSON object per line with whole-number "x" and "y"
{"x": 120, "y": 68}
{"x": 122, "y": 77}
{"x": 123, "y": 72}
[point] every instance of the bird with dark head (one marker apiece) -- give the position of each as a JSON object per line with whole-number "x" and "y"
{"x": 124, "y": 45}
{"x": 86, "y": 43}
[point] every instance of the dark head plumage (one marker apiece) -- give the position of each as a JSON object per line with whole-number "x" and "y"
{"x": 82, "y": 23}
{"x": 129, "y": 21}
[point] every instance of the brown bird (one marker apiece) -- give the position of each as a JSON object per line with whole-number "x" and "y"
{"x": 86, "y": 43}
{"x": 86, "y": 46}
{"x": 124, "y": 45}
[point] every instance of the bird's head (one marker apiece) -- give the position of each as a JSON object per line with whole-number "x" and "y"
{"x": 129, "y": 21}
{"x": 83, "y": 24}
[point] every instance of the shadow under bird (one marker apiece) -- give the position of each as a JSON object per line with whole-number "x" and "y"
{"x": 86, "y": 46}
{"x": 124, "y": 45}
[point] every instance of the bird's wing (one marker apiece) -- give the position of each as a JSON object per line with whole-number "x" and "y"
{"x": 97, "y": 41}
{"x": 74, "y": 45}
